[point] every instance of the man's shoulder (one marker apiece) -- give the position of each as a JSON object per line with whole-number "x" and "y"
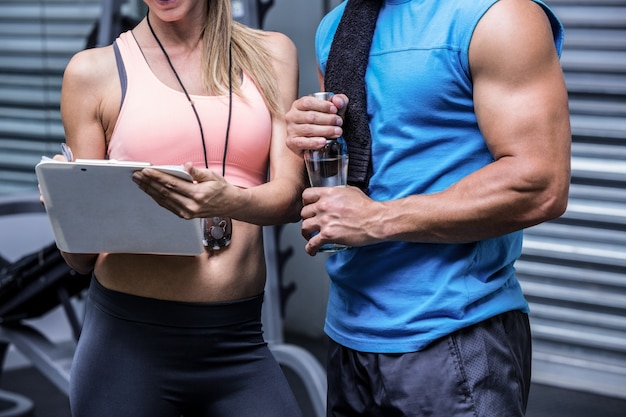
{"x": 330, "y": 21}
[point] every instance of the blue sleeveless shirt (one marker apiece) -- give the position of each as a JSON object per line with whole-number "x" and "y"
{"x": 397, "y": 297}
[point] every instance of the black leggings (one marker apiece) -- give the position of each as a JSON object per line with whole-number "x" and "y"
{"x": 139, "y": 357}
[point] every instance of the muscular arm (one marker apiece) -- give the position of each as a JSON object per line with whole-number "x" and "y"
{"x": 522, "y": 110}
{"x": 521, "y": 106}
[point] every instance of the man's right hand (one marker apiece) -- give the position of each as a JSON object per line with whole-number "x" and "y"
{"x": 310, "y": 121}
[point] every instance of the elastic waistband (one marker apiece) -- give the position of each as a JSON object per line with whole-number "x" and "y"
{"x": 174, "y": 313}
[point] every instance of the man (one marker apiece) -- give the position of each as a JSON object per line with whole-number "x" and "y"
{"x": 466, "y": 142}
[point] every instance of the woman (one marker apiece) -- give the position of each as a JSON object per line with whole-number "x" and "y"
{"x": 181, "y": 335}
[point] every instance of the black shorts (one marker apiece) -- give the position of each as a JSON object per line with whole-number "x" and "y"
{"x": 480, "y": 371}
{"x": 141, "y": 357}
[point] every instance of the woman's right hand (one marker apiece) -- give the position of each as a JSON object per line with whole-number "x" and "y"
{"x": 57, "y": 157}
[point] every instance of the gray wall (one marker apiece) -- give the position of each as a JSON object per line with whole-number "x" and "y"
{"x": 306, "y": 307}
{"x": 298, "y": 19}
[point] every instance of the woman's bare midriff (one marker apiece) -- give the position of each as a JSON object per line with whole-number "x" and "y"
{"x": 234, "y": 272}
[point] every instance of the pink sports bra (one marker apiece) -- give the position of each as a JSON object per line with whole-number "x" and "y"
{"x": 156, "y": 123}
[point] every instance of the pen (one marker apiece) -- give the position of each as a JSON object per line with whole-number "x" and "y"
{"x": 67, "y": 152}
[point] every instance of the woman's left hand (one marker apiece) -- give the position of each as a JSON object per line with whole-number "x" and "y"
{"x": 207, "y": 196}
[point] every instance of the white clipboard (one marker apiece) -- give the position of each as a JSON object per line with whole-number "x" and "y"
{"x": 95, "y": 207}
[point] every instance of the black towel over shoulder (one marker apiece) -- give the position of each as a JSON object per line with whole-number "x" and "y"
{"x": 345, "y": 73}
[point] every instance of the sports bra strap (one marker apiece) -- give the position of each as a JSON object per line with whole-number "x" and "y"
{"x": 121, "y": 70}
